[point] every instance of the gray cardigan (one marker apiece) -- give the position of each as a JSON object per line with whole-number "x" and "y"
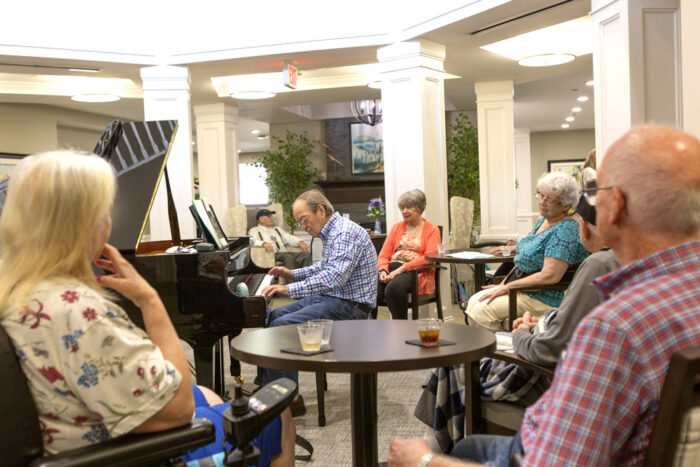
{"x": 580, "y": 299}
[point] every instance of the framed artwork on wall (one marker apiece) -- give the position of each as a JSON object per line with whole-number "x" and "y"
{"x": 572, "y": 167}
{"x": 367, "y": 148}
{"x": 8, "y": 161}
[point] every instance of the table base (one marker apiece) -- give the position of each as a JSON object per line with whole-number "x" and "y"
{"x": 364, "y": 418}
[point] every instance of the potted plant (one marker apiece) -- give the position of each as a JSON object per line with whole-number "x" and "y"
{"x": 375, "y": 210}
{"x": 463, "y": 166}
{"x": 289, "y": 172}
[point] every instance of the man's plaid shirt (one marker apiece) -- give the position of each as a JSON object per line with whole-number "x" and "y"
{"x": 605, "y": 394}
{"x": 348, "y": 268}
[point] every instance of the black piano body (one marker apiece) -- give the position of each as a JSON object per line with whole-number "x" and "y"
{"x": 193, "y": 287}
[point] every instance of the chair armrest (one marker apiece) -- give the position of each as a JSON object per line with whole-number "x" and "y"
{"x": 427, "y": 266}
{"x": 137, "y": 449}
{"x": 513, "y": 296}
{"x": 489, "y": 243}
{"x": 512, "y": 358}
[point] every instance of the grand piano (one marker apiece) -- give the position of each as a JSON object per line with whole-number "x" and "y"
{"x": 195, "y": 288}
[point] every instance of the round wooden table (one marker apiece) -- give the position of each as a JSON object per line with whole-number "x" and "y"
{"x": 479, "y": 263}
{"x": 363, "y": 348}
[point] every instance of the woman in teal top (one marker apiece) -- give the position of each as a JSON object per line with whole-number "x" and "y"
{"x": 544, "y": 254}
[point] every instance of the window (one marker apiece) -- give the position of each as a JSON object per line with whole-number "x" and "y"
{"x": 251, "y": 185}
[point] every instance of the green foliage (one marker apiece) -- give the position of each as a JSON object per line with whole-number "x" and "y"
{"x": 463, "y": 165}
{"x": 289, "y": 172}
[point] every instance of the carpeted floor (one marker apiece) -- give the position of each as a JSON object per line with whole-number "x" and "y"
{"x": 396, "y": 398}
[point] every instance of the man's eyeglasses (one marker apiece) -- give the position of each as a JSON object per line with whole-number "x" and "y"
{"x": 591, "y": 192}
{"x": 545, "y": 199}
{"x": 303, "y": 221}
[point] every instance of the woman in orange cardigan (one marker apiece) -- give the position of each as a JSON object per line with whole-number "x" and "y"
{"x": 404, "y": 250}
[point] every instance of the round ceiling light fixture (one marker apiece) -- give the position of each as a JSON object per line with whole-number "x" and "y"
{"x": 576, "y": 109}
{"x": 582, "y": 98}
{"x": 546, "y": 59}
{"x": 565, "y": 125}
{"x": 95, "y": 98}
{"x": 253, "y": 95}
{"x": 569, "y": 119}
{"x": 254, "y": 132}
{"x": 590, "y": 83}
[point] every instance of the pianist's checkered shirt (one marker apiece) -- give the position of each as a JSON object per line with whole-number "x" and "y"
{"x": 605, "y": 394}
{"x": 348, "y": 268}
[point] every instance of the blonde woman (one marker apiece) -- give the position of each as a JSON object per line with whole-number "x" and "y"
{"x": 93, "y": 375}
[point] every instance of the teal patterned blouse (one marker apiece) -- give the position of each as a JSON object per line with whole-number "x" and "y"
{"x": 560, "y": 241}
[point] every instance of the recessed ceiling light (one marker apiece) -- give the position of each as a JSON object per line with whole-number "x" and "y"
{"x": 582, "y": 98}
{"x": 546, "y": 59}
{"x": 576, "y": 109}
{"x": 263, "y": 136}
{"x": 254, "y": 132}
{"x": 569, "y": 119}
{"x": 589, "y": 83}
{"x": 253, "y": 95}
{"x": 95, "y": 98}
{"x": 565, "y": 125}
{"x": 240, "y": 151}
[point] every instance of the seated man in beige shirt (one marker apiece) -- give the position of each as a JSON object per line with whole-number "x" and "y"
{"x": 273, "y": 238}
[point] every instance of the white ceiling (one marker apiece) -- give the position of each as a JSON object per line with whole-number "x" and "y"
{"x": 543, "y": 96}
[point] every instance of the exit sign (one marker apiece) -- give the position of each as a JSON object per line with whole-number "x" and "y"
{"x": 289, "y": 76}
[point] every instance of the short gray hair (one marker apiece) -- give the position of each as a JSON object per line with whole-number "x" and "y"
{"x": 314, "y": 198}
{"x": 658, "y": 198}
{"x": 561, "y": 185}
{"x": 413, "y": 199}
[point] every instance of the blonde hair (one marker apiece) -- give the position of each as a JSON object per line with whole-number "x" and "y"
{"x": 55, "y": 201}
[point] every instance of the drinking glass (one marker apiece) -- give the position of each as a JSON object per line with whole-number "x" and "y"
{"x": 429, "y": 330}
{"x": 310, "y": 336}
{"x": 327, "y": 328}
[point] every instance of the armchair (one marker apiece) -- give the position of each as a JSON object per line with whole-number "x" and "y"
{"x": 21, "y": 440}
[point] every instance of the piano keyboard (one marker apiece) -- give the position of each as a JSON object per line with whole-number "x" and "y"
{"x": 256, "y": 282}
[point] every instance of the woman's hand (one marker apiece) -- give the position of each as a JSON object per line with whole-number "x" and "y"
{"x": 125, "y": 279}
{"x": 383, "y": 276}
{"x": 493, "y": 292}
{"x": 394, "y": 273}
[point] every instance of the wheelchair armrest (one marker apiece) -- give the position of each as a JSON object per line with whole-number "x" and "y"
{"x": 136, "y": 449}
{"x": 512, "y": 358}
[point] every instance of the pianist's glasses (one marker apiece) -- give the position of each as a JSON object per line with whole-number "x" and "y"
{"x": 302, "y": 222}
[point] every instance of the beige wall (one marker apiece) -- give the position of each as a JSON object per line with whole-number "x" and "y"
{"x": 315, "y": 130}
{"x": 557, "y": 145}
{"x": 690, "y": 38}
{"x": 32, "y": 128}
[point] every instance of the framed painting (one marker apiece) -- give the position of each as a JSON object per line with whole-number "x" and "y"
{"x": 572, "y": 167}
{"x": 367, "y": 148}
{"x": 8, "y": 161}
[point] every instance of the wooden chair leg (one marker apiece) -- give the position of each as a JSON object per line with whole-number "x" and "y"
{"x": 438, "y": 300}
{"x": 320, "y": 397}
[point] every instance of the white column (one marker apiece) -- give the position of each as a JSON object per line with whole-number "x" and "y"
{"x": 690, "y": 38}
{"x": 523, "y": 190}
{"x": 166, "y": 96}
{"x": 413, "y": 100}
{"x": 494, "y": 105}
{"x": 415, "y": 156}
{"x": 636, "y": 66}
{"x": 217, "y": 155}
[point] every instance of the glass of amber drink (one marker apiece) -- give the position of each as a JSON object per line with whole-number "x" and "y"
{"x": 310, "y": 336}
{"x": 429, "y": 330}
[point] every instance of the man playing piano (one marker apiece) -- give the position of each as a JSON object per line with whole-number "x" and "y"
{"x": 272, "y": 238}
{"x": 342, "y": 285}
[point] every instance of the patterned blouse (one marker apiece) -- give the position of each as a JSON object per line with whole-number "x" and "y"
{"x": 92, "y": 373}
{"x": 407, "y": 250}
{"x": 559, "y": 241}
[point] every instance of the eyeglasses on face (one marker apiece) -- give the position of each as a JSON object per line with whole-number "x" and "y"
{"x": 303, "y": 221}
{"x": 545, "y": 199}
{"x": 591, "y": 192}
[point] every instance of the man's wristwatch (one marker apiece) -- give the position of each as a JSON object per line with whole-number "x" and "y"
{"x": 427, "y": 457}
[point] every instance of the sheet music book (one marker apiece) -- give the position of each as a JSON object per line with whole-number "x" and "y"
{"x": 202, "y": 217}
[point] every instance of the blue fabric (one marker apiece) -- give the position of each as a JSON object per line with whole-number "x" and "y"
{"x": 301, "y": 311}
{"x": 491, "y": 450}
{"x": 560, "y": 241}
{"x": 269, "y": 441}
{"x": 347, "y": 269}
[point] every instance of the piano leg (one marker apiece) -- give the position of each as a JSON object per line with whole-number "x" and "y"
{"x": 235, "y": 367}
{"x": 205, "y": 366}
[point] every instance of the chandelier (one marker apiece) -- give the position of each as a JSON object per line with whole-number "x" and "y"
{"x": 368, "y": 112}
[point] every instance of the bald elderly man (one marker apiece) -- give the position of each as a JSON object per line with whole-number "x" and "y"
{"x": 647, "y": 200}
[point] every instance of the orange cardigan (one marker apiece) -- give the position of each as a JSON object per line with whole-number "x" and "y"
{"x": 429, "y": 240}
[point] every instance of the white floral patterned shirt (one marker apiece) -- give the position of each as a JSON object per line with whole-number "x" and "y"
{"x": 92, "y": 373}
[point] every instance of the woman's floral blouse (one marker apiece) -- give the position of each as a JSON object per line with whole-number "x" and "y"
{"x": 92, "y": 373}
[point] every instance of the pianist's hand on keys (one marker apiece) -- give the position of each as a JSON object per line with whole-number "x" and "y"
{"x": 278, "y": 271}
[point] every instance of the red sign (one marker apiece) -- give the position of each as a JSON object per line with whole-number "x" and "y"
{"x": 289, "y": 76}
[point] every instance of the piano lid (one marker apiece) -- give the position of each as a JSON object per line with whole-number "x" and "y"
{"x": 138, "y": 151}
